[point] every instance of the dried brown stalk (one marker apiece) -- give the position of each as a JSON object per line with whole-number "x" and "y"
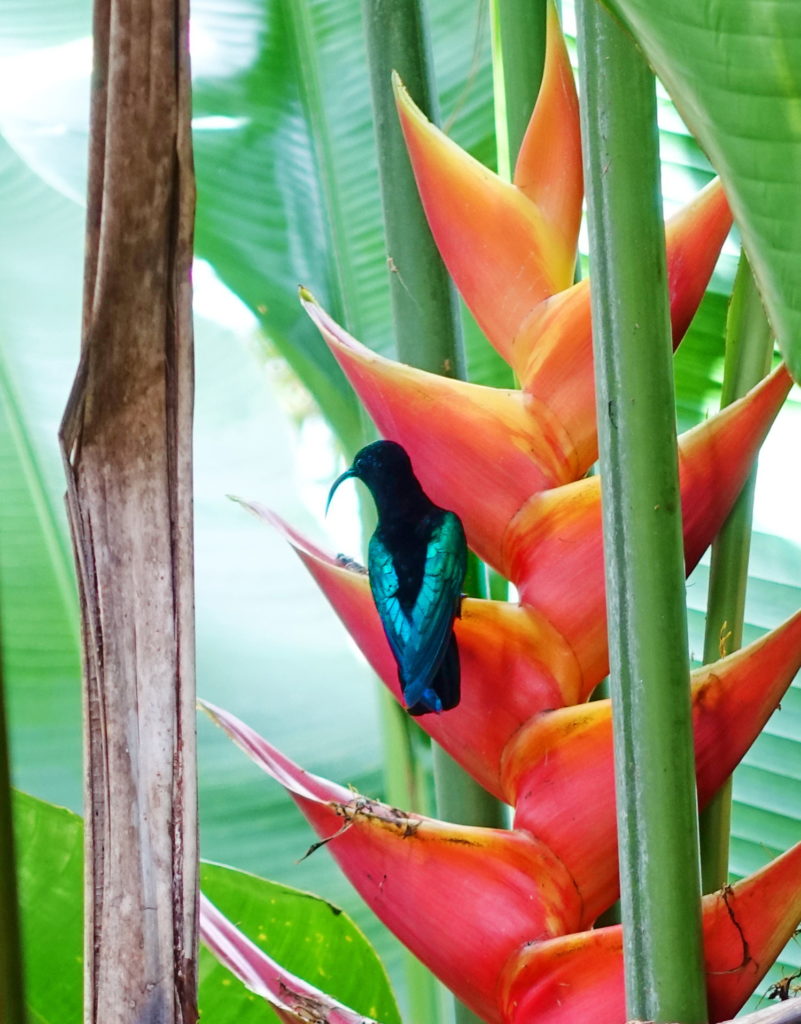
{"x": 126, "y": 441}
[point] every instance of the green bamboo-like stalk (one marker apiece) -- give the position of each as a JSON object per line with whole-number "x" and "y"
{"x": 654, "y": 764}
{"x": 749, "y": 348}
{"x": 405, "y": 782}
{"x": 518, "y": 58}
{"x": 424, "y": 305}
{"x": 425, "y": 311}
{"x": 12, "y": 998}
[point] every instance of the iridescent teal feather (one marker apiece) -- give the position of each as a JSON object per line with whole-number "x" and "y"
{"x": 417, "y": 560}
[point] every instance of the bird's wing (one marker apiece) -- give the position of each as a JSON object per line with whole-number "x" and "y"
{"x": 384, "y": 585}
{"x": 437, "y": 604}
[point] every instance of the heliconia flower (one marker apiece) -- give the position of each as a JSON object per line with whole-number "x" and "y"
{"x": 507, "y": 246}
{"x": 293, "y": 1000}
{"x": 580, "y": 977}
{"x": 559, "y": 770}
{"x": 493, "y": 450}
{"x": 463, "y": 899}
{"x": 513, "y": 663}
{"x": 553, "y": 550}
{"x": 505, "y": 253}
{"x": 552, "y": 351}
{"x": 553, "y": 650}
{"x": 507, "y": 260}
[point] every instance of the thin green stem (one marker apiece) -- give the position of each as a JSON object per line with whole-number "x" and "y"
{"x": 749, "y": 348}
{"x": 654, "y": 764}
{"x": 405, "y": 785}
{"x": 460, "y": 798}
{"x": 518, "y": 57}
{"x": 12, "y": 998}
{"x": 424, "y": 307}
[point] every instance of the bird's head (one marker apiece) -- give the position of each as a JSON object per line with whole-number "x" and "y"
{"x": 384, "y": 467}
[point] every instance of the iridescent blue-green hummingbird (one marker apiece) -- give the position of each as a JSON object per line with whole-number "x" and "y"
{"x": 417, "y": 560}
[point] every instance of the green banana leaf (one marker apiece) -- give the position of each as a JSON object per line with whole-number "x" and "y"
{"x": 297, "y": 119}
{"x": 307, "y": 936}
{"x": 734, "y": 73}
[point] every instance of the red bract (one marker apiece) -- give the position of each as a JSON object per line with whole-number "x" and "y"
{"x": 580, "y": 977}
{"x": 559, "y": 771}
{"x": 505, "y": 903}
{"x": 513, "y": 663}
{"x": 492, "y": 448}
{"x": 455, "y": 895}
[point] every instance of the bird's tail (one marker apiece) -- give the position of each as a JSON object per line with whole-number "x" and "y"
{"x": 443, "y": 690}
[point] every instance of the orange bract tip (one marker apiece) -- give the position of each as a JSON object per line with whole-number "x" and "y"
{"x": 503, "y": 254}
{"x": 552, "y": 352}
{"x": 746, "y": 926}
{"x": 548, "y": 169}
{"x": 568, "y": 979}
{"x": 694, "y": 236}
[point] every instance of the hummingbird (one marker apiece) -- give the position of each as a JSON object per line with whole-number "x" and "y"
{"x": 416, "y": 561}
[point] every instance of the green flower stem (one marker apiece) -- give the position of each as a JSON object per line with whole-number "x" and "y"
{"x": 460, "y": 798}
{"x": 424, "y": 306}
{"x": 749, "y": 349}
{"x": 405, "y": 782}
{"x": 654, "y": 763}
{"x": 518, "y": 58}
{"x": 12, "y": 1000}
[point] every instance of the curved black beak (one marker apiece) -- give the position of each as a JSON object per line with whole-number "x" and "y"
{"x": 351, "y": 472}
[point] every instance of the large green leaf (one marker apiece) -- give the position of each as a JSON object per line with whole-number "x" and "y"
{"x": 38, "y": 348}
{"x": 49, "y": 843}
{"x": 287, "y": 172}
{"x": 734, "y": 72}
{"x": 305, "y": 935}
